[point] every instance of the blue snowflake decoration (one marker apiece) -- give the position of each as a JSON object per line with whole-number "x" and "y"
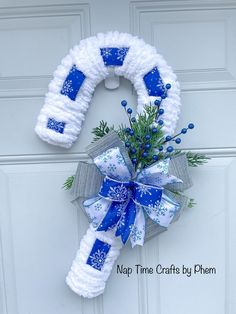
{"x": 154, "y": 83}
{"x": 136, "y": 234}
{"x": 98, "y": 254}
{"x": 72, "y": 83}
{"x": 113, "y": 56}
{"x": 147, "y": 195}
{"x": 57, "y": 126}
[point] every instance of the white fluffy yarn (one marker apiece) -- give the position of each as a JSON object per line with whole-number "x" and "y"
{"x": 140, "y": 59}
{"x": 85, "y": 280}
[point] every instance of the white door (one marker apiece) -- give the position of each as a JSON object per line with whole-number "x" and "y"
{"x": 41, "y": 229}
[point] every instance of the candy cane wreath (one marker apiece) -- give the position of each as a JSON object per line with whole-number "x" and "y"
{"x": 60, "y": 121}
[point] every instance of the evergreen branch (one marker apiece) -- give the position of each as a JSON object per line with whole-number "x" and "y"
{"x": 196, "y": 159}
{"x": 191, "y": 203}
{"x": 68, "y": 183}
{"x": 142, "y": 127}
{"x": 101, "y": 130}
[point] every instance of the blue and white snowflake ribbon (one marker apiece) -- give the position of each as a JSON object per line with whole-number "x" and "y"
{"x": 123, "y": 201}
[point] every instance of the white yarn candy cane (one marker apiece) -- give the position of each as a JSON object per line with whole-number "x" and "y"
{"x": 60, "y": 122}
{"x": 75, "y": 79}
{"x": 88, "y": 281}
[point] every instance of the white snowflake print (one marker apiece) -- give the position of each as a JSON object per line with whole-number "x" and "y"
{"x": 143, "y": 190}
{"x": 121, "y": 221}
{"x": 106, "y": 52}
{"x": 136, "y": 234}
{"x": 98, "y": 259}
{"x": 119, "y": 209}
{"x": 121, "y": 53}
{"x": 67, "y": 87}
{"x": 111, "y": 167}
{"x": 119, "y": 193}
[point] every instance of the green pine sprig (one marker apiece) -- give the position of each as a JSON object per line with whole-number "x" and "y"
{"x": 101, "y": 130}
{"x": 196, "y": 159}
{"x": 142, "y": 134}
{"x": 191, "y": 203}
{"x": 68, "y": 183}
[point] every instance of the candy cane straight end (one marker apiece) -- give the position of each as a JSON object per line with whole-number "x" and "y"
{"x": 93, "y": 263}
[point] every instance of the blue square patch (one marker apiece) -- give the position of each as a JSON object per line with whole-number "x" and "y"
{"x": 154, "y": 83}
{"x": 57, "y": 126}
{"x": 98, "y": 254}
{"x": 72, "y": 83}
{"x": 113, "y": 56}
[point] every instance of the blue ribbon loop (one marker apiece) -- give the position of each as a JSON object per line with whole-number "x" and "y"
{"x": 120, "y": 204}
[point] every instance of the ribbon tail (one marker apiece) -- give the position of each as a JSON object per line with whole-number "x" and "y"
{"x": 126, "y": 222}
{"x": 112, "y": 216}
{"x": 96, "y": 208}
{"x": 138, "y": 232}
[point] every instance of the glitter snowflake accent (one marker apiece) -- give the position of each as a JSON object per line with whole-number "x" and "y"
{"x": 67, "y": 87}
{"x": 97, "y": 259}
{"x": 106, "y": 52}
{"x": 152, "y": 209}
{"x": 119, "y": 193}
{"x": 136, "y": 234}
{"x": 121, "y": 53}
{"x": 121, "y": 221}
{"x": 143, "y": 190}
{"x": 119, "y": 207}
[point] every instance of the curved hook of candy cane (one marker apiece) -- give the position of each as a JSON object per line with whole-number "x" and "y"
{"x": 86, "y": 65}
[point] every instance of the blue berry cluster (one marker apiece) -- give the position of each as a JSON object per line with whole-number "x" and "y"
{"x": 145, "y": 140}
{"x": 176, "y": 137}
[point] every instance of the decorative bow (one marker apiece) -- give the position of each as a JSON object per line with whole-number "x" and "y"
{"x": 124, "y": 199}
